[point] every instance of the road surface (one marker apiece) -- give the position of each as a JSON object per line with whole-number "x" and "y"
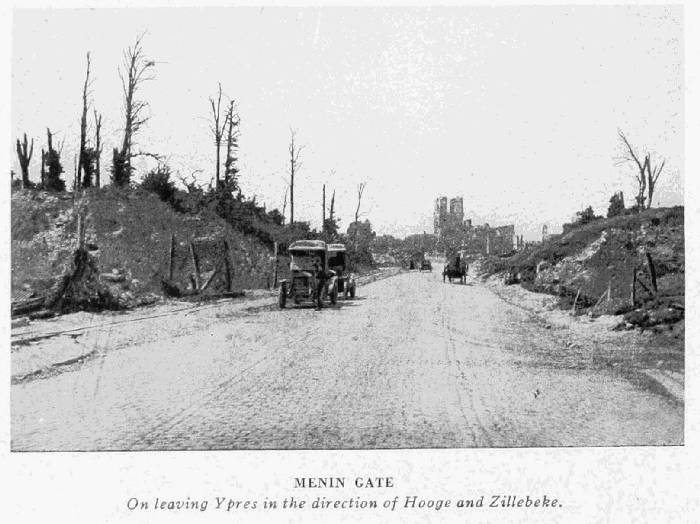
{"x": 410, "y": 363}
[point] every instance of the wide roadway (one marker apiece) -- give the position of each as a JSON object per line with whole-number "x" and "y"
{"x": 410, "y": 363}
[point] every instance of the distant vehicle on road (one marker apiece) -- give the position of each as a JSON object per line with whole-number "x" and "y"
{"x": 426, "y": 265}
{"x": 311, "y": 279}
{"x": 456, "y": 267}
{"x": 416, "y": 260}
{"x": 338, "y": 265}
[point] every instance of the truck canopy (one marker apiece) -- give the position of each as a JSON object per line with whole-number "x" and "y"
{"x": 307, "y": 245}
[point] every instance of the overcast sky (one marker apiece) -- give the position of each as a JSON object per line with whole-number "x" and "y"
{"x": 514, "y": 108}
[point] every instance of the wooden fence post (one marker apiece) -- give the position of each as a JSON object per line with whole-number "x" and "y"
{"x": 211, "y": 277}
{"x": 195, "y": 264}
{"x": 227, "y": 265}
{"x": 172, "y": 257}
{"x": 573, "y": 309}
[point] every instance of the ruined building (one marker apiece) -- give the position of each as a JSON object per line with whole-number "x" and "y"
{"x": 454, "y": 233}
{"x": 448, "y": 222}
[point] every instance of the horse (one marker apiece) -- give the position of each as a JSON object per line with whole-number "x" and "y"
{"x": 457, "y": 270}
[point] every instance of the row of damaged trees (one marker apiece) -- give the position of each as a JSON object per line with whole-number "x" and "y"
{"x": 133, "y": 72}
{"x": 51, "y": 167}
{"x": 223, "y": 194}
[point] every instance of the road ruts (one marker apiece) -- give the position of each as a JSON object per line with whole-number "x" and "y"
{"x": 410, "y": 363}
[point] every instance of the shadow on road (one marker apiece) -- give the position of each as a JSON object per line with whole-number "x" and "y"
{"x": 341, "y": 304}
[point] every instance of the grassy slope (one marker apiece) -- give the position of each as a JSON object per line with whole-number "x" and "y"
{"x": 132, "y": 230}
{"x": 614, "y": 247}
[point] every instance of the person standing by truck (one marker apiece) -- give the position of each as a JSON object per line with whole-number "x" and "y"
{"x": 321, "y": 277}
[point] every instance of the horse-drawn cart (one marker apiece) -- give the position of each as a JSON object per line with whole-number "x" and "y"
{"x": 456, "y": 268}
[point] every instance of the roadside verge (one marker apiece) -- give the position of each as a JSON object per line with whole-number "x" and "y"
{"x": 45, "y": 346}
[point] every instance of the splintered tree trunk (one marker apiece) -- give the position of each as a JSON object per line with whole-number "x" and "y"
{"x": 43, "y": 168}
{"x": 218, "y": 162}
{"x": 24, "y": 155}
{"x": 291, "y": 196}
{"x": 218, "y": 131}
{"x": 83, "y": 159}
{"x": 98, "y": 147}
{"x": 294, "y": 165}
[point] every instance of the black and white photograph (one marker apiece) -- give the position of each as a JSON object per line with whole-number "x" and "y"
{"x": 292, "y": 262}
{"x": 347, "y": 228}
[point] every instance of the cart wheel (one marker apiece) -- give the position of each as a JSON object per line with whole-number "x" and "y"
{"x": 283, "y": 296}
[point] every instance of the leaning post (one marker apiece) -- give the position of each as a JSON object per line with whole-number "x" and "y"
{"x": 195, "y": 264}
{"x": 172, "y": 257}
{"x": 227, "y": 265}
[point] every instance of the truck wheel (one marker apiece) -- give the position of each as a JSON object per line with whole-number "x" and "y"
{"x": 283, "y": 296}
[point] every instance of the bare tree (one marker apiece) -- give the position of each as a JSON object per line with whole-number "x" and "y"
{"x": 43, "y": 168}
{"x": 134, "y": 71}
{"x": 653, "y": 174}
{"x": 217, "y": 129}
{"x": 230, "y": 168}
{"x": 24, "y": 155}
{"x": 284, "y": 203}
{"x": 98, "y": 146}
{"x": 647, "y": 175}
{"x": 294, "y": 165}
{"x": 330, "y": 226}
{"x": 631, "y": 156}
{"x": 360, "y": 191}
{"x": 84, "y": 159}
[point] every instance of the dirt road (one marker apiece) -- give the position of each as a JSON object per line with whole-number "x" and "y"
{"x": 411, "y": 362}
